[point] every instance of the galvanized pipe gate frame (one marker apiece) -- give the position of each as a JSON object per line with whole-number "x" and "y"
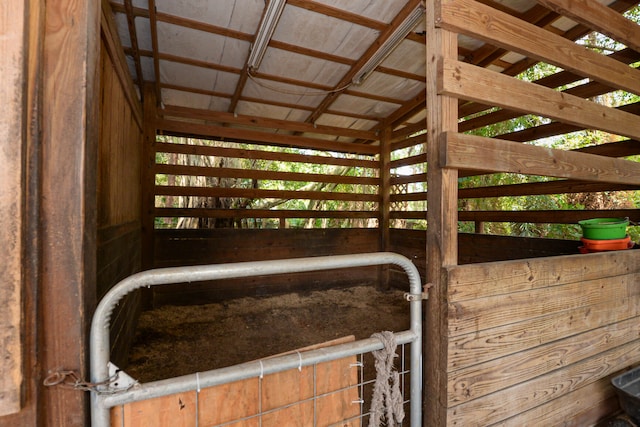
{"x": 104, "y": 397}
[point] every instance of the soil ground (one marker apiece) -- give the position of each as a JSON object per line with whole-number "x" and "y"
{"x": 178, "y": 340}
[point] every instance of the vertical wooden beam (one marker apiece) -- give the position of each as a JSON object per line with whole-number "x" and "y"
{"x": 68, "y": 207}
{"x": 385, "y": 201}
{"x": 14, "y": 25}
{"x": 442, "y": 219}
{"x": 148, "y": 176}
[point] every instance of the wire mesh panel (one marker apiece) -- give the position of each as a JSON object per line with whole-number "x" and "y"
{"x": 334, "y": 393}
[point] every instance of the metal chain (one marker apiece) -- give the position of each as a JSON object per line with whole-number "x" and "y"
{"x": 71, "y": 380}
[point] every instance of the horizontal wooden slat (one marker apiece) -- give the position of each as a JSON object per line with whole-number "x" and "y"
{"x": 261, "y": 175}
{"x": 500, "y": 29}
{"x": 407, "y": 179}
{"x": 482, "y": 346}
{"x": 547, "y": 216}
{"x": 478, "y": 84}
{"x": 545, "y": 388}
{"x": 490, "y": 312}
{"x": 600, "y": 18}
{"x": 479, "y": 280}
{"x": 193, "y": 113}
{"x": 250, "y": 193}
{"x": 541, "y": 188}
{"x": 402, "y": 138}
{"x": 480, "y": 380}
{"x": 409, "y": 161}
{"x": 278, "y": 139}
{"x": 409, "y": 197}
{"x": 408, "y": 214}
{"x": 258, "y": 213}
{"x": 598, "y": 398}
{"x": 205, "y": 150}
{"x": 494, "y": 155}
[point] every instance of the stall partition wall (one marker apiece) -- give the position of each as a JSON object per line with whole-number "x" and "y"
{"x": 119, "y": 185}
{"x": 530, "y": 341}
{"x": 537, "y": 341}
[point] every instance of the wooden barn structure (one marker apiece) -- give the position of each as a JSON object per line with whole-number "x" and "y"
{"x": 519, "y": 331}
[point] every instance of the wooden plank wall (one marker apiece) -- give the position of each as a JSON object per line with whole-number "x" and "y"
{"x": 119, "y": 190}
{"x": 215, "y": 246}
{"x": 350, "y": 175}
{"x": 474, "y": 248}
{"x": 537, "y": 341}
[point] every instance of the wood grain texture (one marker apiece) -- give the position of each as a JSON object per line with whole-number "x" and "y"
{"x": 68, "y": 209}
{"x": 479, "y": 280}
{"x": 205, "y": 150}
{"x": 13, "y": 136}
{"x": 481, "y": 85}
{"x": 441, "y": 247}
{"x": 586, "y": 406}
{"x": 500, "y": 29}
{"x": 484, "y": 313}
{"x": 545, "y": 388}
{"x": 494, "y": 155}
{"x": 180, "y": 127}
{"x": 480, "y": 380}
{"x": 599, "y": 18}
{"x": 500, "y": 341}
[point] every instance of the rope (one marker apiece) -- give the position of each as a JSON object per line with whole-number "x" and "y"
{"x": 386, "y": 390}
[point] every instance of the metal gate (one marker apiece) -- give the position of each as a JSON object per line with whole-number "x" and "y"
{"x": 110, "y": 392}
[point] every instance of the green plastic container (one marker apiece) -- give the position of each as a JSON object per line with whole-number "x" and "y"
{"x": 604, "y": 228}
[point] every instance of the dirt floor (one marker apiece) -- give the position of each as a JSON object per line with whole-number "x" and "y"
{"x": 179, "y": 340}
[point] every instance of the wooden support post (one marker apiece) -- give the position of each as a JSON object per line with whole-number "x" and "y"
{"x": 68, "y": 203}
{"x": 13, "y": 102}
{"x": 148, "y": 176}
{"x": 23, "y": 30}
{"x": 442, "y": 200}
{"x": 385, "y": 202}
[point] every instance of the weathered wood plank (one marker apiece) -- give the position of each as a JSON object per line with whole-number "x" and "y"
{"x": 481, "y": 346}
{"x": 511, "y": 401}
{"x": 262, "y": 122}
{"x": 148, "y": 175}
{"x": 258, "y": 174}
{"x": 206, "y": 150}
{"x": 244, "y": 135}
{"x": 190, "y": 247}
{"x": 68, "y": 192}
{"x": 259, "y": 213}
{"x": 480, "y": 380}
{"x": 473, "y": 152}
{"x": 599, "y": 18}
{"x": 564, "y": 186}
{"x": 111, "y": 44}
{"x": 485, "y": 313}
{"x": 586, "y": 406}
{"x": 409, "y": 161}
{"x": 482, "y": 85}
{"x": 547, "y": 216}
{"x": 250, "y": 193}
{"x": 479, "y": 280}
{"x": 500, "y": 29}
{"x": 442, "y": 199}
{"x": 13, "y": 135}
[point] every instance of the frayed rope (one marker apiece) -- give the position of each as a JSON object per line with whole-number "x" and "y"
{"x": 386, "y": 390}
